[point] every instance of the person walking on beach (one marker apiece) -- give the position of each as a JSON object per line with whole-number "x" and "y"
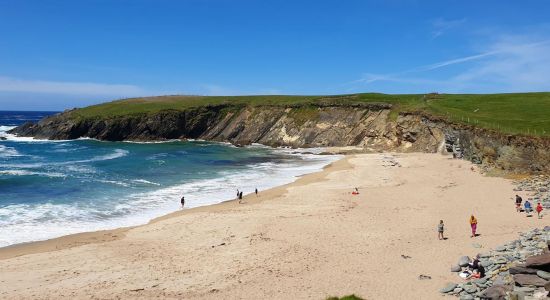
{"x": 473, "y": 224}
{"x": 440, "y": 228}
{"x": 528, "y": 208}
{"x": 539, "y": 210}
{"x": 256, "y": 191}
{"x": 240, "y": 196}
{"x": 518, "y": 203}
{"x": 182, "y": 201}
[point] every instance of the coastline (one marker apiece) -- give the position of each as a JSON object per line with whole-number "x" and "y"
{"x": 100, "y": 236}
{"x": 307, "y": 239}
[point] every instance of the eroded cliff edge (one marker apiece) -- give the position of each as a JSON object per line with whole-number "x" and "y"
{"x": 371, "y": 126}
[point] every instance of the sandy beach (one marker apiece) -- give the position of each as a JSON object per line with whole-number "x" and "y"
{"x": 307, "y": 240}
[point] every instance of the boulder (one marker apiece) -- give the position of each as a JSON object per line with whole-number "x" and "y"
{"x": 467, "y": 297}
{"x": 522, "y": 270}
{"x": 543, "y": 275}
{"x": 464, "y": 261}
{"x": 496, "y": 292}
{"x": 456, "y": 268}
{"x": 448, "y": 288}
{"x": 539, "y": 261}
{"x": 529, "y": 280}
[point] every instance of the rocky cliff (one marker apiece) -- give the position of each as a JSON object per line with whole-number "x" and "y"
{"x": 372, "y": 126}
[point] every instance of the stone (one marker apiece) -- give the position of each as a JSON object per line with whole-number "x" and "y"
{"x": 539, "y": 261}
{"x": 486, "y": 263}
{"x": 466, "y": 297}
{"x": 457, "y": 290}
{"x": 456, "y": 268}
{"x": 522, "y": 270}
{"x": 496, "y": 292}
{"x": 529, "y": 280}
{"x": 476, "y": 245}
{"x": 547, "y": 286}
{"x": 480, "y": 281}
{"x": 470, "y": 288}
{"x": 517, "y": 296}
{"x": 543, "y": 275}
{"x": 448, "y": 288}
{"x": 546, "y": 228}
{"x": 464, "y": 261}
{"x": 524, "y": 289}
{"x": 500, "y": 248}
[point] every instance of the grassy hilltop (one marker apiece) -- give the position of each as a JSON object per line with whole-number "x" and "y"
{"x": 520, "y": 113}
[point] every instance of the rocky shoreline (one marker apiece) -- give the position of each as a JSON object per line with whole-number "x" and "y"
{"x": 515, "y": 270}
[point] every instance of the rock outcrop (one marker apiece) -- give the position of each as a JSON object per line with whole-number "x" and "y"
{"x": 372, "y": 126}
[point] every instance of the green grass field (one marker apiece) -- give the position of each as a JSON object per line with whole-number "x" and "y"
{"x": 521, "y": 113}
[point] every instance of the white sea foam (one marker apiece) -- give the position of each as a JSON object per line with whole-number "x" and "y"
{"x": 29, "y": 173}
{"x": 31, "y": 222}
{"x": 8, "y": 152}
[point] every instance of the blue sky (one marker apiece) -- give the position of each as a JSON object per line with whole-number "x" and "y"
{"x": 62, "y": 54}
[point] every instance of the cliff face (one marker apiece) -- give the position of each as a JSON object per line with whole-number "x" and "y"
{"x": 370, "y": 126}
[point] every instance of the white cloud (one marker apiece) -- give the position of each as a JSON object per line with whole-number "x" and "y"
{"x": 9, "y": 84}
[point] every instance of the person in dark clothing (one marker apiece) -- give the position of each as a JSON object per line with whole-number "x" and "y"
{"x": 256, "y": 191}
{"x": 182, "y": 201}
{"x": 475, "y": 265}
{"x": 518, "y": 203}
{"x": 240, "y": 196}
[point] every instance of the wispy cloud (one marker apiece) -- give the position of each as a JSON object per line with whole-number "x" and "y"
{"x": 9, "y": 84}
{"x": 510, "y": 63}
{"x": 441, "y": 26}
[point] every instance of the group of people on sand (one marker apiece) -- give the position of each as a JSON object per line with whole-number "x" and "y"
{"x": 527, "y": 207}
{"x": 239, "y": 196}
{"x": 441, "y": 228}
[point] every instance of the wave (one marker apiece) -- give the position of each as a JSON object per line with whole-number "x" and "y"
{"x": 146, "y": 182}
{"x": 30, "y": 222}
{"x": 8, "y": 152}
{"x": 29, "y": 173}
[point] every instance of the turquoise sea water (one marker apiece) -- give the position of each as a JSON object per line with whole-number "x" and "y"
{"x": 54, "y": 188}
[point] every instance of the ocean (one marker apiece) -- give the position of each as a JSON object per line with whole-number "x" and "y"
{"x": 54, "y": 188}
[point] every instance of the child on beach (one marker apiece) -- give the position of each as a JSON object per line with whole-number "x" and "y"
{"x": 473, "y": 224}
{"x": 539, "y": 210}
{"x": 440, "y": 228}
{"x": 182, "y": 201}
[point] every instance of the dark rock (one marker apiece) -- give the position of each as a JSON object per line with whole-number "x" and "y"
{"x": 529, "y": 280}
{"x": 463, "y": 261}
{"x": 522, "y": 270}
{"x": 547, "y": 286}
{"x": 541, "y": 262}
{"x": 448, "y": 288}
{"x": 456, "y": 268}
{"x": 496, "y": 292}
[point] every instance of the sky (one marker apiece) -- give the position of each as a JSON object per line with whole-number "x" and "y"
{"x": 56, "y": 55}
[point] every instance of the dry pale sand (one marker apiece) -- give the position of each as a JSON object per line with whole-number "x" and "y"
{"x": 307, "y": 240}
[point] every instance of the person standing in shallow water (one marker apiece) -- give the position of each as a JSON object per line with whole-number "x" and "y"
{"x": 440, "y": 228}
{"x": 473, "y": 224}
{"x": 182, "y": 201}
